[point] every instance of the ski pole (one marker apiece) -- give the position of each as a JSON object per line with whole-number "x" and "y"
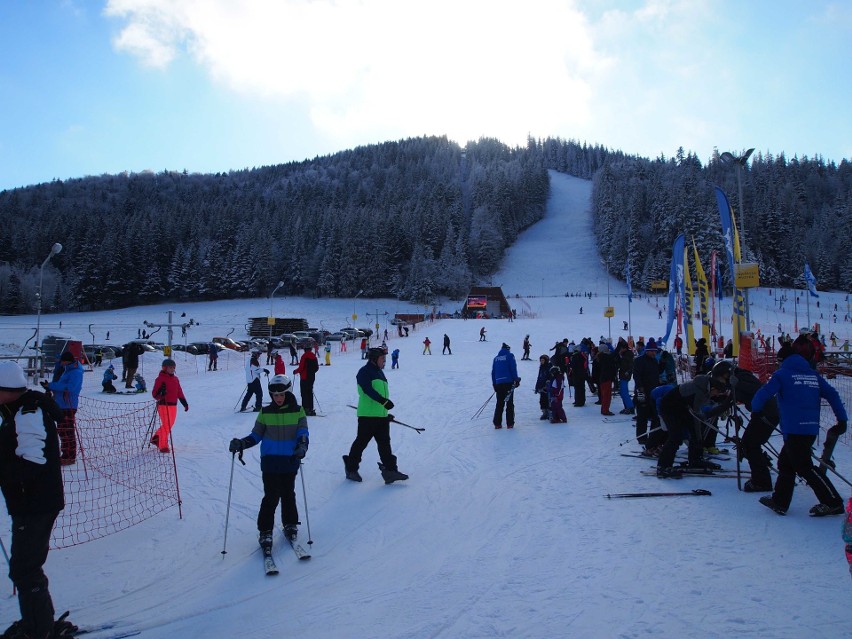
{"x": 653, "y": 430}
{"x": 228, "y": 507}
{"x": 737, "y": 423}
{"x": 316, "y": 401}
{"x": 305, "y": 500}
{"x": 396, "y": 421}
{"x": 148, "y": 433}
{"x": 6, "y": 555}
{"x": 241, "y": 398}
{"x": 698, "y": 491}
{"x": 482, "y": 408}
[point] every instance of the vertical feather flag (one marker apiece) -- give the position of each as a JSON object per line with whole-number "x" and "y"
{"x": 732, "y": 248}
{"x": 810, "y": 280}
{"x": 675, "y": 283}
{"x": 688, "y": 302}
{"x": 703, "y": 294}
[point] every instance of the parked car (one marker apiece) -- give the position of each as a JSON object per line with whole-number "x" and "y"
{"x": 397, "y": 321}
{"x": 352, "y": 333}
{"x": 150, "y": 346}
{"x": 336, "y": 337}
{"x": 107, "y": 352}
{"x": 201, "y": 348}
{"x": 367, "y": 331}
{"x": 230, "y": 344}
{"x": 320, "y": 336}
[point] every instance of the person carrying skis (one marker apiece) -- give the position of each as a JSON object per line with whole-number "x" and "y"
{"x": 556, "y": 391}
{"x": 541, "y": 386}
{"x": 373, "y": 420}
{"x": 168, "y": 392}
{"x": 253, "y": 386}
{"x": 66, "y": 393}
{"x": 307, "y": 372}
{"x": 800, "y": 390}
{"x": 281, "y": 429}
{"x": 31, "y": 481}
{"x": 504, "y": 379}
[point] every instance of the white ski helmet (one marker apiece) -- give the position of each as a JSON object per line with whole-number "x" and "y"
{"x": 279, "y": 384}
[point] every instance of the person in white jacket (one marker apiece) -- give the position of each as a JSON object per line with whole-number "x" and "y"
{"x": 253, "y": 371}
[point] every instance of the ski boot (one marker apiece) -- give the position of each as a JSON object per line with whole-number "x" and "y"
{"x": 822, "y": 510}
{"x": 767, "y": 501}
{"x": 391, "y": 475}
{"x": 351, "y": 473}
{"x": 669, "y": 473}
{"x": 752, "y": 486}
{"x": 264, "y": 538}
{"x": 291, "y": 531}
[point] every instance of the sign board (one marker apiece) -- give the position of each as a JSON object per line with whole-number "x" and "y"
{"x": 477, "y": 302}
{"x": 354, "y": 316}
{"x": 377, "y": 327}
{"x": 609, "y": 311}
{"x": 746, "y": 275}
{"x": 660, "y": 285}
{"x": 270, "y": 321}
{"x": 167, "y": 350}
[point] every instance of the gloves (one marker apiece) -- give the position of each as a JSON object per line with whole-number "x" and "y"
{"x": 516, "y": 383}
{"x": 301, "y": 448}
{"x": 388, "y": 404}
{"x": 390, "y": 417}
{"x": 839, "y": 428}
{"x": 162, "y": 391}
{"x": 185, "y": 404}
{"x": 236, "y": 445}
{"x": 266, "y": 372}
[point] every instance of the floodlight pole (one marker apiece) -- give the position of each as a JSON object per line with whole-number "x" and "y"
{"x": 55, "y": 249}
{"x": 271, "y": 316}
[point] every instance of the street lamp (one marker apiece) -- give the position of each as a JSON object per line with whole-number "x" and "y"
{"x": 740, "y": 162}
{"x": 55, "y": 249}
{"x": 354, "y": 314}
{"x": 271, "y": 316}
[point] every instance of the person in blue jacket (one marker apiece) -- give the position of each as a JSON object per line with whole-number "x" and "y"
{"x": 799, "y": 390}
{"x": 504, "y": 378}
{"x": 66, "y": 393}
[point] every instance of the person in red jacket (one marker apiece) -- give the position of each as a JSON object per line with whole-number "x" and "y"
{"x": 168, "y": 393}
{"x": 307, "y": 372}
{"x": 279, "y": 364}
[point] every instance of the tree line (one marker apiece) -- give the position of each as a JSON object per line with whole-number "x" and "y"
{"x": 416, "y": 218}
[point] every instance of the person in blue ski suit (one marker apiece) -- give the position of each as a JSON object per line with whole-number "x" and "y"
{"x": 66, "y": 393}
{"x": 504, "y": 378}
{"x": 799, "y": 390}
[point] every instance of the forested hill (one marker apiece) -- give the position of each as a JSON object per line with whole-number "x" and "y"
{"x": 415, "y": 218}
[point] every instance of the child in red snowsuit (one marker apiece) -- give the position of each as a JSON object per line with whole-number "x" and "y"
{"x": 168, "y": 393}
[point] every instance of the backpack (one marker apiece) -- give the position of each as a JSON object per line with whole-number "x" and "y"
{"x": 747, "y": 385}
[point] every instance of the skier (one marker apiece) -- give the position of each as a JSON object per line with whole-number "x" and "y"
{"x": 327, "y": 350}
{"x": 253, "y": 386}
{"x": 279, "y": 368}
{"x": 212, "y": 357}
{"x": 446, "y": 345}
{"x": 141, "y": 387}
{"x": 66, "y": 393}
{"x": 625, "y": 359}
{"x": 427, "y": 344}
{"x": 109, "y": 375}
{"x": 556, "y": 391}
{"x": 541, "y": 385}
{"x": 577, "y": 377}
{"x": 307, "y": 372}
{"x": 800, "y": 390}
{"x": 168, "y": 393}
{"x": 607, "y": 369}
{"x": 373, "y": 420}
{"x": 32, "y": 486}
{"x": 527, "y": 346}
{"x": 395, "y": 358}
{"x": 646, "y": 377}
{"x": 281, "y": 429}
{"x": 294, "y": 355}
{"x": 363, "y": 348}
{"x": 705, "y": 395}
{"x": 504, "y": 378}
{"x": 482, "y": 334}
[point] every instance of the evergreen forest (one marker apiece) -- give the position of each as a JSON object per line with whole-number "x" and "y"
{"x": 414, "y": 219}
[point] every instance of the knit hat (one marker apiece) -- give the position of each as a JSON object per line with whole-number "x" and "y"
{"x": 67, "y": 356}
{"x": 506, "y": 346}
{"x": 651, "y": 345}
{"x": 12, "y": 377}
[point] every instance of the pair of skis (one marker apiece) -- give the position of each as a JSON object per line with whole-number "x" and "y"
{"x": 269, "y": 566}
{"x": 698, "y": 492}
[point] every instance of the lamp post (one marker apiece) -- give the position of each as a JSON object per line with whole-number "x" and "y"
{"x": 739, "y": 163}
{"x": 354, "y": 314}
{"x": 271, "y": 316}
{"x": 55, "y": 249}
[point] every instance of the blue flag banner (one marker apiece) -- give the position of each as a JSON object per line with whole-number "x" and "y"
{"x": 629, "y": 287}
{"x": 810, "y": 280}
{"x": 732, "y": 248}
{"x": 675, "y": 283}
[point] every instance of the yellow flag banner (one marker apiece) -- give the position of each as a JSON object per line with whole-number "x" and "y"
{"x": 703, "y": 296}
{"x": 688, "y": 302}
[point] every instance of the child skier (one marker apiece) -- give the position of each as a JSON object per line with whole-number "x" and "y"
{"x": 556, "y": 391}
{"x": 541, "y": 383}
{"x": 168, "y": 392}
{"x": 140, "y": 383}
{"x": 395, "y": 359}
{"x": 109, "y": 375}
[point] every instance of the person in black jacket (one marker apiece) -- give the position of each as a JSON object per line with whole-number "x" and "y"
{"x": 31, "y": 481}
{"x": 577, "y": 377}
{"x": 646, "y": 377}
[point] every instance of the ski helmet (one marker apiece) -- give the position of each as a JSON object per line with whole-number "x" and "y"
{"x": 168, "y": 362}
{"x": 279, "y": 384}
{"x": 722, "y": 369}
{"x": 803, "y": 346}
{"x": 375, "y": 353}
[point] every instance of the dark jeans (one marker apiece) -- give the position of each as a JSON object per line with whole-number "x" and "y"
{"x": 306, "y": 388}
{"x": 505, "y": 397}
{"x": 30, "y": 543}
{"x": 795, "y": 459}
{"x": 278, "y": 487}
{"x": 377, "y": 428}
{"x": 680, "y": 424}
{"x": 67, "y": 434}
{"x": 254, "y": 388}
{"x": 647, "y": 420}
{"x": 580, "y": 393}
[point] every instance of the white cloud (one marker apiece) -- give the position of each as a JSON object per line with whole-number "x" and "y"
{"x": 380, "y": 68}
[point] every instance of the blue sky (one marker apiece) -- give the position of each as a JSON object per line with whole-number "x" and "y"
{"x": 92, "y": 87}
